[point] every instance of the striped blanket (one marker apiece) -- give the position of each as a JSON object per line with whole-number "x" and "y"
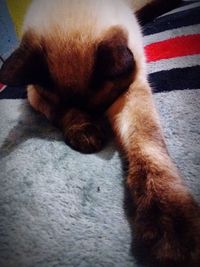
{"x": 62, "y": 208}
{"x": 172, "y": 44}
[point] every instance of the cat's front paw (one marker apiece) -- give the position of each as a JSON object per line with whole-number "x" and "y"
{"x": 83, "y": 132}
{"x": 85, "y": 138}
{"x": 167, "y": 226}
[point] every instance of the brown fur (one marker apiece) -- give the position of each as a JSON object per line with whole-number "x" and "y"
{"x": 90, "y": 86}
{"x": 166, "y": 221}
{"x": 81, "y": 131}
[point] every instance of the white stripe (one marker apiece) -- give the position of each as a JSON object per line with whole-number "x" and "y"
{"x": 178, "y": 62}
{"x": 161, "y": 36}
{"x": 183, "y": 8}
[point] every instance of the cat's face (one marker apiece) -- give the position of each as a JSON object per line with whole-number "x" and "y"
{"x": 86, "y": 74}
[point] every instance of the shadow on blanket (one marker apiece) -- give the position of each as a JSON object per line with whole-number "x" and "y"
{"x": 37, "y": 127}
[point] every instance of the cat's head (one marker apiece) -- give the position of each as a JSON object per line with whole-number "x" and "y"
{"x": 81, "y": 71}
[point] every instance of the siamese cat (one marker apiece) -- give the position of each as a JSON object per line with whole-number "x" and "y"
{"x": 83, "y": 63}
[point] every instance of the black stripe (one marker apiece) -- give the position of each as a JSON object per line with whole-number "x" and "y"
{"x": 156, "y": 8}
{"x": 13, "y": 93}
{"x": 175, "y": 79}
{"x": 172, "y": 21}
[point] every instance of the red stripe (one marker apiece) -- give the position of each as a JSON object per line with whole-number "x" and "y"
{"x": 175, "y": 47}
{"x": 2, "y": 87}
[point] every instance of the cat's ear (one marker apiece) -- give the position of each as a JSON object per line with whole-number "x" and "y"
{"x": 26, "y": 65}
{"x": 113, "y": 58}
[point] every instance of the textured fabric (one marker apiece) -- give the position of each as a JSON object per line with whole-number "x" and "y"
{"x": 59, "y": 208}
{"x": 172, "y": 44}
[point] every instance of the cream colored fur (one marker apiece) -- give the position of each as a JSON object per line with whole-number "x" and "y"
{"x": 90, "y": 18}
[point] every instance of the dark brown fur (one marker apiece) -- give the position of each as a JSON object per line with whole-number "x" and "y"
{"x": 63, "y": 88}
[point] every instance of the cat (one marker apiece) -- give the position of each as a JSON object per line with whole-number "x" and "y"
{"x": 83, "y": 63}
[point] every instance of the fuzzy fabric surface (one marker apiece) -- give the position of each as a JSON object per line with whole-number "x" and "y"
{"x": 60, "y": 208}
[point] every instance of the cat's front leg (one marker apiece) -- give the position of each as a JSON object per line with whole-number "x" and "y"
{"x": 81, "y": 131}
{"x": 167, "y": 218}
